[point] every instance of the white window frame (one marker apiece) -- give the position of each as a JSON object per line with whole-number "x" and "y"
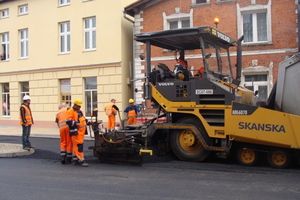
{"x": 23, "y": 10}
{"x": 177, "y": 16}
{"x": 65, "y": 41}
{"x": 89, "y": 30}
{"x": 6, "y": 44}
{"x": 7, "y": 113}
{"x": 22, "y": 93}
{"x": 64, "y": 2}
{"x": 91, "y": 94}
{"x": 4, "y": 13}
{"x": 24, "y": 41}
{"x": 257, "y": 8}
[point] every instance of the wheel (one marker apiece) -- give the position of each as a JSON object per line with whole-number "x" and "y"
{"x": 279, "y": 159}
{"x": 247, "y": 156}
{"x": 185, "y": 144}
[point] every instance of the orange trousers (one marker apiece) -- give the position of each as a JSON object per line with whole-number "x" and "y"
{"x": 111, "y": 122}
{"x": 131, "y": 120}
{"x": 77, "y": 141}
{"x": 65, "y": 143}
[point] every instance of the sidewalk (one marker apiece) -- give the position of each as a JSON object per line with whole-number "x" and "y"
{"x": 12, "y": 150}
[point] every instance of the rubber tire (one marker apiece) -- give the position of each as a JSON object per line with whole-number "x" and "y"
{"x": 197, "y": 156}
{"x": 272, "y": 164}
{"x": 238, "y": 155}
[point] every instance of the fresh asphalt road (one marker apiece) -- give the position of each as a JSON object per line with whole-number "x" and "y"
{"x": 42, "y": 176}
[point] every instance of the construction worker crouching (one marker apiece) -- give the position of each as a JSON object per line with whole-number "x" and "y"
{"x": 65, "y": 138}
{"x": 77, "y": 124}
{"x": 111, "y": 112}
{"x": 131, "y": 112}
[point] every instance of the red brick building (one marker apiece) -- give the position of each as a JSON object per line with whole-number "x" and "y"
{"x": 270, "y": 28}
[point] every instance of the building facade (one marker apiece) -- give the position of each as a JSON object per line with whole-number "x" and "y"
{"x": 59, "y": 50}
{"x": 270, "y": 29}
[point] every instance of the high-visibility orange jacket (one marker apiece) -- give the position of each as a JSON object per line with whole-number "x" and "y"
{"x": 28, "y": 117}
{"x": 61, "y": 117}
{"x": 109, "y": 110}
{"x": 74, "y": 117}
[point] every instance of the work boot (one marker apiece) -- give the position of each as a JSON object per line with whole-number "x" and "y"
{"x": 84, "y": 164}
{"x": 32, "y": 147}
{"x": 68, "y": 160}
{"x": 26, "y": 148}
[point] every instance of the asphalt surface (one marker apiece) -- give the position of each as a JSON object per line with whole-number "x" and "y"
{"x": 42, "y": 176}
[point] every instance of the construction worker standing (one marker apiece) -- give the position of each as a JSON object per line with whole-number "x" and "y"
{"x": 111, "y": 112}
{"x": 77, "y": 124}
{"x": 65, "y": 138}
{"x": 131, "y": 112}
{"x": 26, "y": 120}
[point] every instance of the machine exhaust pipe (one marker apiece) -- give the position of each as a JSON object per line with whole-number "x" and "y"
{"x": 239, "y": 58}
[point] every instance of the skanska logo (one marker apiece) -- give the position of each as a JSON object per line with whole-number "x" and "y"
{"x": 262, "y": 127}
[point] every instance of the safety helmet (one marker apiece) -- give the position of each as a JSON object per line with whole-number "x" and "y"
{"x": 131, "y": 101}
{"x": 26, "y": 97}
{"x": 78, "y": 102}
{"x": 181, "y": 76}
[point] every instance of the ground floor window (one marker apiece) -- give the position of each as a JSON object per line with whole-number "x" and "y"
{"x": 259, "y": 83}
{"x": 65, "y": 92}
{"x": 5, "y": 99}
{"x": 24, "y": 88}
{"x": 90, "y": 91}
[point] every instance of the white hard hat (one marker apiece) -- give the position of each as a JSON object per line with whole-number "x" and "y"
{"x": 26, "y": 97}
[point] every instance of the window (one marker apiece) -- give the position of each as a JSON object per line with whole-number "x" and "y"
{"x": 24, "y": 43}
{"x": 199, "y": 2}
{"x": 258, "y": 82}
{"x": 4, "y": 13}
{"x": 180, "y": 23}
{"x": 23, "y": 10}
{"x": 24, "y": 89}
{"x": 65, "y": 37}
{"x": 178, "y": 20}
{"x": 5, "y": 99}
{"x": 65, "y": 92}
{"x": 254, "y": 22}
{"x": 64, "y": 2}
{"x": 90, "y": 33}
{"x": 90, "y": 95}
{"x": 255, "y": 27}
{"x": 4, "y": 54}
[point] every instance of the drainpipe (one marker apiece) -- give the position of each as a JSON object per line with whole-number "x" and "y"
{"x": 298, "y": 25}
{"x": 133, "y": 54}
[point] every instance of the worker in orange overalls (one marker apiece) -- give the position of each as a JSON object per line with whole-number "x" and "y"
{"x": 131, "y": 112}
{"x": 65, "y": 139}
{"x": 77, "y": 124}
{"x": 26, "y": 120}
{"x": 199, "y": 72}
{"x": 111, "y": 112}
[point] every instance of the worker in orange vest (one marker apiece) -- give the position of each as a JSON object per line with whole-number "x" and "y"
{"x": 131, "y": 112}
{"x": 111, "y": 112}
{"x": 77, "y": 124}
{"x": 26, "y": 120}
{"x": 65, "y": 139}
{"x": 199, "y": 72}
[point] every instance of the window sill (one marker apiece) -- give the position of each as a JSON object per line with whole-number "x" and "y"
{"x": 83, "y": 1}
{"x": 4, "y": 17}
{"x": 222, "y": 2}
{"x": 88, "y": 50}
{"x": 25, "y": 58}
{"x": 200, "y": 4}
{"x": 22, "y": 14}
{"x": 3, "y": 61}
{"x": 5, "y": 116}
{"x": 63, "y": 5}
{"x": 64, "y": 53}
{"x": 256, "y": 44}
